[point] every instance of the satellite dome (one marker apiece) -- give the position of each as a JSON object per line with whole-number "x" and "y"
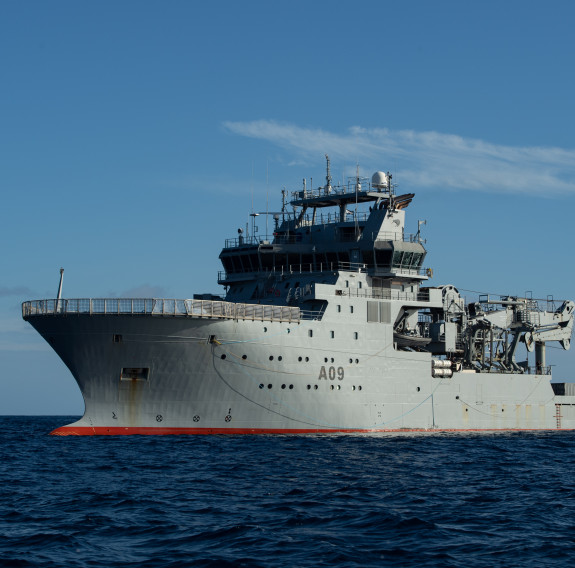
{"x": 379, "y": 180}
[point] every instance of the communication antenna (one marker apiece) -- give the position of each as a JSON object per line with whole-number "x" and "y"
{"x": 284, "y": 193}
{"x": 327, "y": 177}
{"x": 419, "y": 223}
{"x": 252, "y": 188}
{"x": 254, "y": 228}
{"x": 267, "y": 195}
{"x": 357, "y": 189}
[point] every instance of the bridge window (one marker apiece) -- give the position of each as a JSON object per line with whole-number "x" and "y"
{"x": 383, "y": 257}
{"x": 267, "y": 261}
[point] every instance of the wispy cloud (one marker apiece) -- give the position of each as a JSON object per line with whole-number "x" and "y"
{"x": 429, "y": 159}
{"x": 15, "y": 291}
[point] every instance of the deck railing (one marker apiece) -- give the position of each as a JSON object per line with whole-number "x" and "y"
{"x": 160, "y": 307}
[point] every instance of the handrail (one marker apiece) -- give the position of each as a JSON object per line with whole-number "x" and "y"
{"x": 384, "y": 294}
{"x": 297, "y": 237}
{"x": 160, "y": 307}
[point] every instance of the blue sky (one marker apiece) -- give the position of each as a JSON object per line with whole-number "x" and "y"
{"x": 133, "y": 134}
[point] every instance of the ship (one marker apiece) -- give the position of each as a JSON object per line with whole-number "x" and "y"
{"x": 330, "y": 324}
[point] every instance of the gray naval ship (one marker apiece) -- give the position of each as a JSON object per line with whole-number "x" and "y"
{"x": 329, "y": 325}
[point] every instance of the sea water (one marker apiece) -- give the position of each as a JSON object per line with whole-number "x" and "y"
{"x": 282, "y": 501}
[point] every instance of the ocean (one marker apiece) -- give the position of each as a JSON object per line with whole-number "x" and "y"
{"x": 284, "y": 501}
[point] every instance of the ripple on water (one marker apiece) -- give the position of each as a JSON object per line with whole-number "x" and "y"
{"x": 439, "y": 500}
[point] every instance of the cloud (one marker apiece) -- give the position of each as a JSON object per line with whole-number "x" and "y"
{"x": 15, "y": 291}
{"x": 428, "y": 159}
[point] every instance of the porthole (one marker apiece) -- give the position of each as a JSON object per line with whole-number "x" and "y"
{"x": 357, "y": 360}
{"x": 418, "y": 389}
{"x": 244, "y": 356}
{"x": 325, "y": 360}
{"x": 280, "y": 358}
{"x": 355, "y": 335}
{"x": 291, "y": 387}
{"x": 359, "y": 388}
{"x": 353, "y": 388}
{"x": 338, "y": 387}
{"x": 332, "y": 334}
{"x": 270, "y": 386}
{"x": 332, "y": 359}
{"x": 467, "y": 410}
{"x": 265, "y": 329}
{"x": 314, "y": 387}
{"x": 223, "y": 356}
{"x": 283, "y": 386}
{"x": 310, "y": 332}
{"x": 306, "y": 359}
{"x": 299, "y": 359}
{"x": 261, "y": 386}
{"x": 308, "y": 387}
{"x": 288, "y": 330}
{"x": 271, "y": 357}
{"x": 457, "y": 397}
{"x": 351, "y": 361}
{"x": 331, "y": 387}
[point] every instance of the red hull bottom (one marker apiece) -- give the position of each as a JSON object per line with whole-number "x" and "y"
{"x": 147, "y": 431}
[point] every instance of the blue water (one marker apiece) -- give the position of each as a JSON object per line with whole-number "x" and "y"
{"x": 436, "y": 500}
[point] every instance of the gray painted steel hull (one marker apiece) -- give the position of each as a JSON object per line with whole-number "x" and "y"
{"x": 258, "y": 376}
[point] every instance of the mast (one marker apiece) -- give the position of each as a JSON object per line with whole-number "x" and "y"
{"x": 59, "y": 296}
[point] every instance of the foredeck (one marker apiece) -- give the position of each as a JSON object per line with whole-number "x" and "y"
{"x": 161, "y": 308}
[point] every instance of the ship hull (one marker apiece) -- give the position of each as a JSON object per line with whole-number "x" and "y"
{"x": 145, "y": 374}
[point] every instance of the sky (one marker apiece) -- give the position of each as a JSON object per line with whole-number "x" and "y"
{"x": 136, "y": 136}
